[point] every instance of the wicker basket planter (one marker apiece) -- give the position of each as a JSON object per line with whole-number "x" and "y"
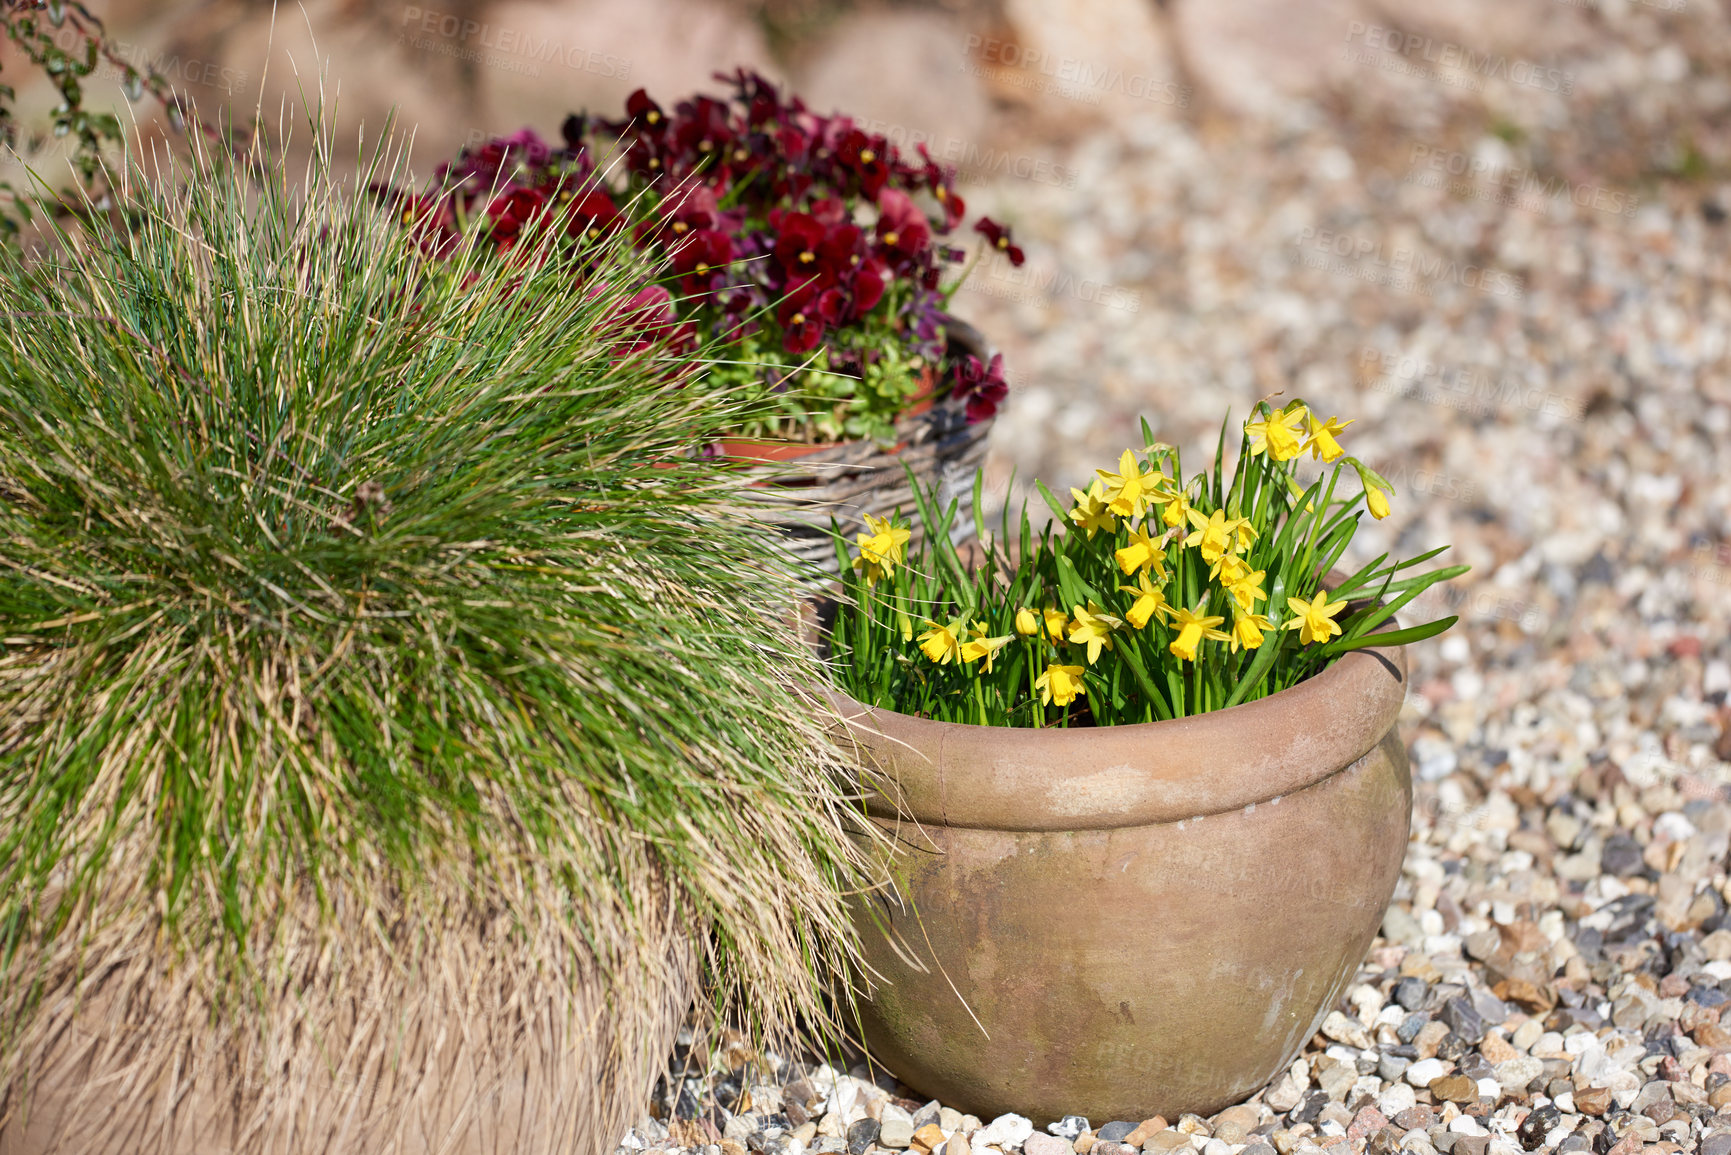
{"x": 799, "y": 494}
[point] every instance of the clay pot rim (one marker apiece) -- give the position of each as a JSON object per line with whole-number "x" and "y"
{"x": 769, "y": 450}
{"x": 1107, "y": 777}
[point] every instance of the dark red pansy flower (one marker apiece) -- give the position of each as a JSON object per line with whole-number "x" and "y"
{"x": 701, "y": 130}
{"x": 798, "y": 239}
{"x": 589, "y": 213}
{"x": 698, "y": 208}
{"x": 758, "y": 95}
{"x": 527, "y": 148}
{"x": 793, "y": 143}
{"x": 762, "y": 109}
{"x": 700, "y": 258}
{"x": 753, "y": 207}
{"x": 646, "y": 318}
{"x": 954, "y": 206}
{"x": 430, "y": 219}
{"x": 829, "y": 212}
{"x": 866, "y": 158}
{"x": 868, "y": 285}
{"x": 926, "y": 172}
{"x": 802, "y": 327}
{"x": 512, "y": 211}
{"x": 831, "y": 305}
{"x": 791, "y": 185}
{"x": 842, "y": 250}
{"x": 646, "y": 116}
{"x": 983, "y": 385}
{"x": 902, "y": 228}
{"x": 739, "y": 299}
{"x": 647, "y": 156}
{"x": 998, "y": 236}
{"x": 807, "y": 313}
{"x": 575, "y": 131}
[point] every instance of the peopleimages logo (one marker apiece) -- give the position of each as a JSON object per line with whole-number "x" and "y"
{"x": 1089, "y": 79}
{"x": 1469, "y": 390}
{"x": 1480, "y": 605}
{"x": 972, "y": 161}
{"x": 1442, "y": 60}
{"x": 1405, "y": 270}
{"x": 1661, "y": 5}
{"x": 450, "y": 35}
{"x": 1517, "y": 187}
{"x": 1711, "y": 563}
{"x": 1030, "y": 285}
{"x": 170, "y": 66}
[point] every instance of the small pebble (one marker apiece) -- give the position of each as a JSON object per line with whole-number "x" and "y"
{"x": 1068, "y": 1128}
{"x": 861, "y": 1135}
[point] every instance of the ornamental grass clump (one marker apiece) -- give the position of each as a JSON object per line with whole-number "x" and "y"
{"x": 1149, "y": 597}
{"x": 391, "y": 712}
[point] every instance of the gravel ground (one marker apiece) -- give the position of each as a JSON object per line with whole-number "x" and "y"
{"x": 1544, "y": 372}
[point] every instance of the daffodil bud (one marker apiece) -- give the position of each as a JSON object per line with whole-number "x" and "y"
{"x": 1027, "y": 623}
{"x": 1377, "y": 500}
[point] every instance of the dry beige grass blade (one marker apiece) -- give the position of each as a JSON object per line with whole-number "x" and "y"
{"x": 364, "y": 1046}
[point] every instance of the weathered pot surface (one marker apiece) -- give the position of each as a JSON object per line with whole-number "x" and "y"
{"x": 1132, "y": 920}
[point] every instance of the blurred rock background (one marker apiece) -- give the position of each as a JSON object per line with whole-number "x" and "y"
{"x": 1493, "y": 231}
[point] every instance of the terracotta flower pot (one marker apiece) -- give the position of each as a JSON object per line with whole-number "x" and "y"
{"x": 1131, "y": 920}
{"x": 763, "y": 449}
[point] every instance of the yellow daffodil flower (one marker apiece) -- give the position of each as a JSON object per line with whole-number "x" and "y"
{"x": 1060, "y": 684}
{"x": 1091, "y": 512}
{"x": 1377, "y": 500}
{"x": 1247, "y": 630}
{"x": 1246, "y": 589}
{"x": 870, "y": 570}
{"x": 1027, "y": 622}
{"x": 1149, "y": 601}
{"x": 979, "y": 645}
{"x": 939, "y": 643}
{"x": 1278, "y": 435}
{"x": 1228, "y": 569}
{"x": 1315, "y": 619}
{"x": 1321, "y": 442}
{"x": 1092, "y": 627}
{"x": 1056, "y": 623}
{"x": 1243, "y": 531}
{"x": 1129, "y": 490}
{"x": 1214, "y": 534}
{"x": 1176, "y": 511}
{"x": 1192, "y": 627}
{"x": 880, "y": 550}
{"x": 1142, "y": 552}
